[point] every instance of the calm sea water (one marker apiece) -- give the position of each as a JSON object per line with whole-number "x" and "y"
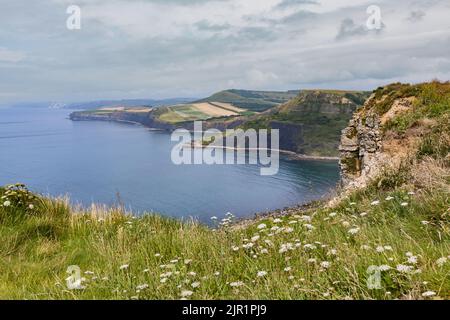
{"x": 96, "y": 161}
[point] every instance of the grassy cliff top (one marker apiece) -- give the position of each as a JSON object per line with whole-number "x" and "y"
{"x": 397, "y": 227}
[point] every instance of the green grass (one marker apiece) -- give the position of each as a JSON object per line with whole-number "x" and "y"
{"x": 432, "y": 102}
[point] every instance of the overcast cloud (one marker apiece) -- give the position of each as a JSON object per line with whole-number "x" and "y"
{"x": 192, "y": 48}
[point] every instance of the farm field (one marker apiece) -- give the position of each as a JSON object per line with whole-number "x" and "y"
{"x": 199, "y": 111}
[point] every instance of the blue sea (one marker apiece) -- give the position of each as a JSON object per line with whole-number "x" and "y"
{"x": 115, "y": 163}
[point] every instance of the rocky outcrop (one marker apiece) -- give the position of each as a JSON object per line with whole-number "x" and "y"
{"x": 360, "y": 147}
{"x": 365, "y": 149}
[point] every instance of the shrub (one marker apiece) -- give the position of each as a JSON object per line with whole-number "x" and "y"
{"x": 17, "y": 196}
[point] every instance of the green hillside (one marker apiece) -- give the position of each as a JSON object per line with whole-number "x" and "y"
{"x": 321, "y": 115}
{"x": 257, "y": 101}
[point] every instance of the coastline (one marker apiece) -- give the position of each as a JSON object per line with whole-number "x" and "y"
{"x": 293, "y": 155}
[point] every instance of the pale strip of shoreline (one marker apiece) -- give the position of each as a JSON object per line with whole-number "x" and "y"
{"x": 293, "y": 154}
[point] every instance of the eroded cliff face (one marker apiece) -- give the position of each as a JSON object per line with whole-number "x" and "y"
{"x": 366, "y": 149}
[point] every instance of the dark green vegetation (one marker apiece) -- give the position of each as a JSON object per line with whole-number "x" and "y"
{"x": 257, "y": 101}
{"x": 320, "y": 115}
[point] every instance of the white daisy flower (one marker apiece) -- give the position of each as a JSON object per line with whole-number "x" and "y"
{"x": 186, "y": 293}
{"x": 428, "y": 294}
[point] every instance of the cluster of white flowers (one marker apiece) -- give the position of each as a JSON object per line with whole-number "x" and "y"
{"x": 236, "y": 284}
{"x": 142, "y": 287}
{"x": 261, "y": 274}
{"x": 441, "y": 261}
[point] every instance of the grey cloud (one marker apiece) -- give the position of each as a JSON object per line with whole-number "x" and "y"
{"x": 348, "y": 29}
{"x": 291, "y": 3}
{"x": 416, "y": 16}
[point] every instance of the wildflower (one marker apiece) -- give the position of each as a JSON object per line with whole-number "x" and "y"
{"x": 333, "y": 214}
{"x": 375, "y": 203}
{"x": 195, "y": 284}
{"x": 6, "y": 203}
{"x": 261, "y": 274}
{"x": 235, "y": 248}
{"x": 388, "y": 248}
{"x": 262, "y": 226}
{"x": 236, "y": 284}
{"x": 89, "y": 273}
{"x": 217, "y": 273}
{"x": 166, "y": 275}
{"x": 285, "y": 247}
{"x": 309, "y": 227}
{"x": 291, "y": 277}
{"x": 363, "y": 214}
{"x": 353, "y": 231}
{"x": 157, "y": 255}
{"x": 425, "y": 223}
{"x": 306, "y": 218}
{"x": 428, "y": 294}
{"x": 269, "y": 243}
{"x": 441, "y": 261}
{"x": 287, "y": 269}
{"x": 277, "y": 220}
{"x": 124, "y": 267}
{"x": 255, "y": 238}
{"x": 186, "y": 293}
{"x": 365, "y": 247}
{"x": 312, "y": 260}
{"x": 325, "y": 264}
{"x": 411, "y": 193}
{"x": 384, "y": 267}
{"x": 187, "y": 261}
{"x": 412, "y": 260}
{"x": 31, "y": 207}
{"x": 404, "y": 268}
{"x": 332, "y": 252}
{"x": 310, "y": 246}
{"x": 264, "y": 251}
{"x": 248, "y": 245}
{"x": 163, "y": 280}
{"x": 214, "y": 218}
{"x": 288, "y": 230}
{"x": 380, "y": 249}
{"x": 142, "y": 286}
{"x": 404, "y": 204}
{"x": 192, "y": 274}
{"x": 389, "y": 198}
{"x": 346, "y": 224}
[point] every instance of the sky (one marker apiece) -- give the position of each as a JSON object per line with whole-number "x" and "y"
{"x": 192, "y": 48}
